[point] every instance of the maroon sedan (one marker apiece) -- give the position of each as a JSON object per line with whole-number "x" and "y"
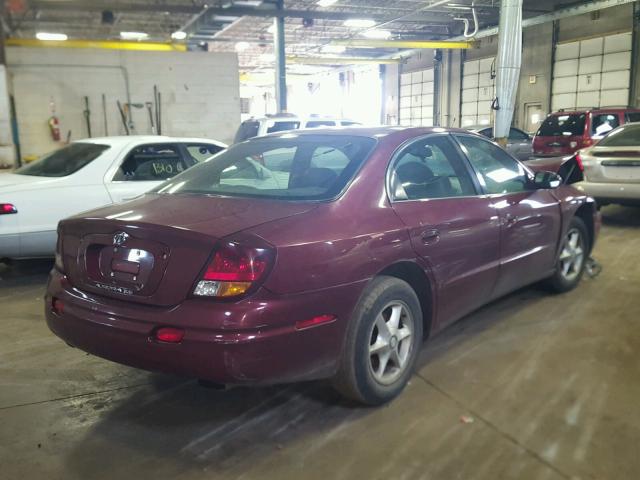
{"x": 314, "y": 254}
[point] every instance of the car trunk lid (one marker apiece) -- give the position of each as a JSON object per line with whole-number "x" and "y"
{"x": 153, "y": 249}
{"x": 613, "y": 164}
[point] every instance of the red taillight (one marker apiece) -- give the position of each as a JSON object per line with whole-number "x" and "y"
{"x": 315, "y": 321}
{"x": 7, "y": 208}
{"x": 169, "y": 335}
{"x": 233, "y": 270}
{"x": 233, "y": 263}
{"x": 579, "y": 161}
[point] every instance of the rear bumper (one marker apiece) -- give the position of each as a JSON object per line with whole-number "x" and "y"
{"x": 251, "y": 341}
{"x": 611, "y": 192}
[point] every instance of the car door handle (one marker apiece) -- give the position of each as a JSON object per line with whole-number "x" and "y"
{"x": 430, "y": 236}
{"x": 510, "y": 220}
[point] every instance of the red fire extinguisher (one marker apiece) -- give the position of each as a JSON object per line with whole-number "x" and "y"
{"x": 54, "y": 127}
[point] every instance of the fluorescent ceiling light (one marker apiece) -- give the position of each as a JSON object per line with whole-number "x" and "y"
{"x": 359, "y": 23}
{"x": 179, "y": 35}
{"x": 377, "y": 34}
{"x": 247, "y": 3}
{"x": 326, "y": 3}
{"x": 133, "y": 35}
{"x": 334, "y": 49}
{"x": 57, "y": 37}
{"x": 225, "y": 18}
{"x": 242, "y": 46}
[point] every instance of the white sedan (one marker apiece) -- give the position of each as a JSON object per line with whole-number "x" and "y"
{"x": 84, "y": 175}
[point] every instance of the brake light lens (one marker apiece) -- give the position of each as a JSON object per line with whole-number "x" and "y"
{"x": 579, "y": 161}
{"x": 7, "y": 208}
{"x": 233, "y": 270}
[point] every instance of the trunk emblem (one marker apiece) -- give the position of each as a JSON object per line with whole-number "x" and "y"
{"x": 119, "y": 238}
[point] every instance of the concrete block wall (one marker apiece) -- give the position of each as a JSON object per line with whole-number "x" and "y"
{"x": 537, "y": 60}
{"x": 200, "y": 92}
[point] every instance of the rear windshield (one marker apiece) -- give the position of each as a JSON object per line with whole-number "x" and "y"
{"x": 65, "y": 161}
{"x": 246, "y": 130}
{"x": 309, "y": 167}
{"x": 562, "y": 125}
{"x": 625, "y": 136}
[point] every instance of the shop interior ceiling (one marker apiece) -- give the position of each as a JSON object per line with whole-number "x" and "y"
{"x": 245, "y": 26}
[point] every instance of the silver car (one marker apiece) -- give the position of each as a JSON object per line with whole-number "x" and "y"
{"x": 612, "y": 167}
{"x": 518, "y": 142}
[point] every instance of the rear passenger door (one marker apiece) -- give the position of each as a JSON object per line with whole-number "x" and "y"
{"x": 454, "y": 231}
{"x": 145, "y": 167}
{"x": 530, "y": 218}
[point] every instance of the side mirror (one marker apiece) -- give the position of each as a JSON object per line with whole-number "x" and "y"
{"x": 547, "y": 180}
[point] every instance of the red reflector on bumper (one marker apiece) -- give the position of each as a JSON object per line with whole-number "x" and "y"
{"x": 57, "y": 305}
{"x": 315, "y": 321}
{"x": 169, "y": 335}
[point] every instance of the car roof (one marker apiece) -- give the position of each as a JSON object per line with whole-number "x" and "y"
{"x": 590, "y": 110}
{"x": 364, "y": 131}
{"x": 291, "y": 117}
{"x": 121, "y": 140}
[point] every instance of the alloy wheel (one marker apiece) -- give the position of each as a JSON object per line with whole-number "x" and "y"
{"x": 572, "y": 255}
{"x": 390, "y": 342}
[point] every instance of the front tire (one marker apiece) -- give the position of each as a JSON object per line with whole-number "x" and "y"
{"x": 382, "y": 344}
{"x": 572, "y": 258}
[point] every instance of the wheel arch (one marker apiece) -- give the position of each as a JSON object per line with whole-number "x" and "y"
{"x": 586, "y": 212}
{"x": 418, "y": 280}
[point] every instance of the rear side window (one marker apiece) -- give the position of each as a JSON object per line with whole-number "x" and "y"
{"x": 430, "y": 168}
{"x": 563, "y": 125}
{"x": 201, "y": 151}
{"x": 248, "y": 129}
{"x": 632, "y": 117}
{"x": 320, "y": 123}
{"x": 346, "y": 123}
{"x": 148, "y": 163}
{"x": 517, "y": 135}
{"x": 307, "y": 167}
{"x": 626, "y": 136}
{"x": 283, "y": 126}
{"x": 65, "y": 161}
{"x": 603, "y": 123}
{"x": 497, "y": 171}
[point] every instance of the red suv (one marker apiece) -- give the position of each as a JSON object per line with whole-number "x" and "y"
{"x": 564, "y": 132}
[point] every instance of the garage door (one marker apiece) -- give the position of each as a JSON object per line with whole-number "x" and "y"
{"x": 592, "y": 73}
{"x": 478, "y": 90}
{"x": 416, "y": 98}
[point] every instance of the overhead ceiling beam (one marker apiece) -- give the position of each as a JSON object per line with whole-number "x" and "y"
{"x": 340, "y": 60}
{"x": 98, "y": 6}
{"x": 440, "y": 44}
{"x": 101, "y": 44}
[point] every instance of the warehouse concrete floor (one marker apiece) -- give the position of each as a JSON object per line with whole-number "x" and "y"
{"x": 531, "y": 387}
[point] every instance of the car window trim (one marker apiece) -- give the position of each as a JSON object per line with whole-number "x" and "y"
{"x": 124, "y": 158}
{"x": 410, "y": 141}
{"x": 476, "y": 172}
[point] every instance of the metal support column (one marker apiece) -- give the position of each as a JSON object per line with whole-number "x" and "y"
{"x": 281, "y": 60}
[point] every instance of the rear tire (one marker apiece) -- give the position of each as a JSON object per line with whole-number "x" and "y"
{"x": 382, "y": 344}
{"x": 572, "y": 258}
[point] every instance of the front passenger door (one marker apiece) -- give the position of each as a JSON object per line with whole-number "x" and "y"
{"x": 530, "y": 217}
{"x": 454, "y": 231}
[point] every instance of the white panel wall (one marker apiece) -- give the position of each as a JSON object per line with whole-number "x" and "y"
{"x": 478, "y": 90}
{"x": 592, "y": 73}
{"x": 200, "y": 92}
{"x": 416, "y": 98}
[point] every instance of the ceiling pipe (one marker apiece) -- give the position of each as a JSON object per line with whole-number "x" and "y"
{"x": 466, "y": 33}
{"x": 508, "y": 64}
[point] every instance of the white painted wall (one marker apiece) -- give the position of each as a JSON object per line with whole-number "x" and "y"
{"x": 6, "y": 141}
{"x": 200, "y": 92}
